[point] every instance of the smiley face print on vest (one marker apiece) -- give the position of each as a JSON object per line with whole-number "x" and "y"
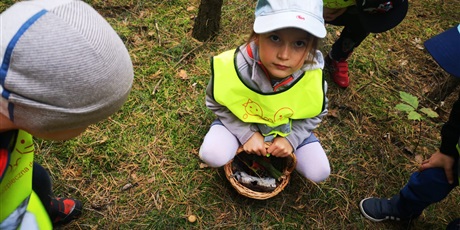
{"x": 254, "y": 110}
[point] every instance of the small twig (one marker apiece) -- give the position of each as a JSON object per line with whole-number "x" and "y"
{"x": 94, "y": 210}
{"x": 156, "y": 86}
{"x": 186, "y": 55}
{"x": 158, "y": 32}
{"x": 116, "y": 122}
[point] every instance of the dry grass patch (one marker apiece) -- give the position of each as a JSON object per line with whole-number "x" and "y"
{"x": 140, "y": 169}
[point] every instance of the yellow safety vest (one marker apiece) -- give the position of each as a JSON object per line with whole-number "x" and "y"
{"x": 20, "y": 206}
{"x": 338, "y": 4}
{"x": 304, "y": 99}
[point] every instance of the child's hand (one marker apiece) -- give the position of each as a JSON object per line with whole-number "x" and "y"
{"x": 280, "y": 147}
{"x": 440, "y": 160}
{"x": 255, "y": 145}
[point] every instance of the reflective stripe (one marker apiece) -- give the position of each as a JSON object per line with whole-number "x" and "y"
{"x": 30, "y": 215}
{"x": 13, "y": 221}
{"x": 36, "y": 216}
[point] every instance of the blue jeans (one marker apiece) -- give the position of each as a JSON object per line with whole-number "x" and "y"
{"x": 424, "y": 188}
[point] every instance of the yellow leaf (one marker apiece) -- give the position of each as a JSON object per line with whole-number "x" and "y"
{"x": 182, "y": 74}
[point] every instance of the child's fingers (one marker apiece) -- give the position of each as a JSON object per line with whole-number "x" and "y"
{"x": 449, "y": 175}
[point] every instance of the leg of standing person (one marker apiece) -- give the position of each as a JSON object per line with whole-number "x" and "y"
{"x": 423, "y": 189}
{"x": 351, "y": 37}
{"x": 60, "y": 210}
{"x": 42, "y": 186}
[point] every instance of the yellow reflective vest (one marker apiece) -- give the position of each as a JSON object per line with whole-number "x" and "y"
{"x": 20, "y": 206}
{"x": 305, "y": 98}
{"x": 338, "y": 4}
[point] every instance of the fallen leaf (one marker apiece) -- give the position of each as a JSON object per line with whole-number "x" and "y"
{"x": 203, "y": 165}
{"x": 182, "y": 74}
{"x": 134, "y": 176}
{"x": 333, "y": 113}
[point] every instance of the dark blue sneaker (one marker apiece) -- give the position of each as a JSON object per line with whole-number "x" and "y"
{"x": 380, "y": 209}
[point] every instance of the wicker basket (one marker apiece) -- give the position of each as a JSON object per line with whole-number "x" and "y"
{"x": 245, "y": 191}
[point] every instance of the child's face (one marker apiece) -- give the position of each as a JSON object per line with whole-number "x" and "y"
{"x": 283, "y": 51}
{"x": 6, "y": 124}
{"x": 59, "y": 135}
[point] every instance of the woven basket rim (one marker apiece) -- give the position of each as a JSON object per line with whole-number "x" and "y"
{"x": 245, "y": 191}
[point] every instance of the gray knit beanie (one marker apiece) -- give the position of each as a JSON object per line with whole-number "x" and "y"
{"x": 62, "y": 65}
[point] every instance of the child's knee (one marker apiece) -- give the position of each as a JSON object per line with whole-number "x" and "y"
{"x": 317, "y": 175}
{"x": 321, "y": 175}
{"x": 213, "y": 158}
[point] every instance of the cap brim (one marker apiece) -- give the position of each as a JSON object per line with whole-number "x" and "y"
{"x": 309, "y": 23}
{"x": 378, "y": 23}
{"x": 445, "y": 50}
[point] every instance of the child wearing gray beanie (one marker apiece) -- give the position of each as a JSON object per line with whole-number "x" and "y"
{"x": 63, "y": 68}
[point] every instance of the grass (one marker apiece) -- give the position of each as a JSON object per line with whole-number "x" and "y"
{"x": 140, "y": 170}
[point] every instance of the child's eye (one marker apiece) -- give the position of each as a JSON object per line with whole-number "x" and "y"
{"x": 274, "y": 38}
{"x": 299, "y": 44}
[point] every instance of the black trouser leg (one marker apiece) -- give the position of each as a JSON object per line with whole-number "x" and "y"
{"x": 352, "y": 34}
{"x": 41, "y": 184}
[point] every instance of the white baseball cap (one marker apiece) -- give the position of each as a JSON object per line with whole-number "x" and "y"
{"x": 278, "y": 14}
